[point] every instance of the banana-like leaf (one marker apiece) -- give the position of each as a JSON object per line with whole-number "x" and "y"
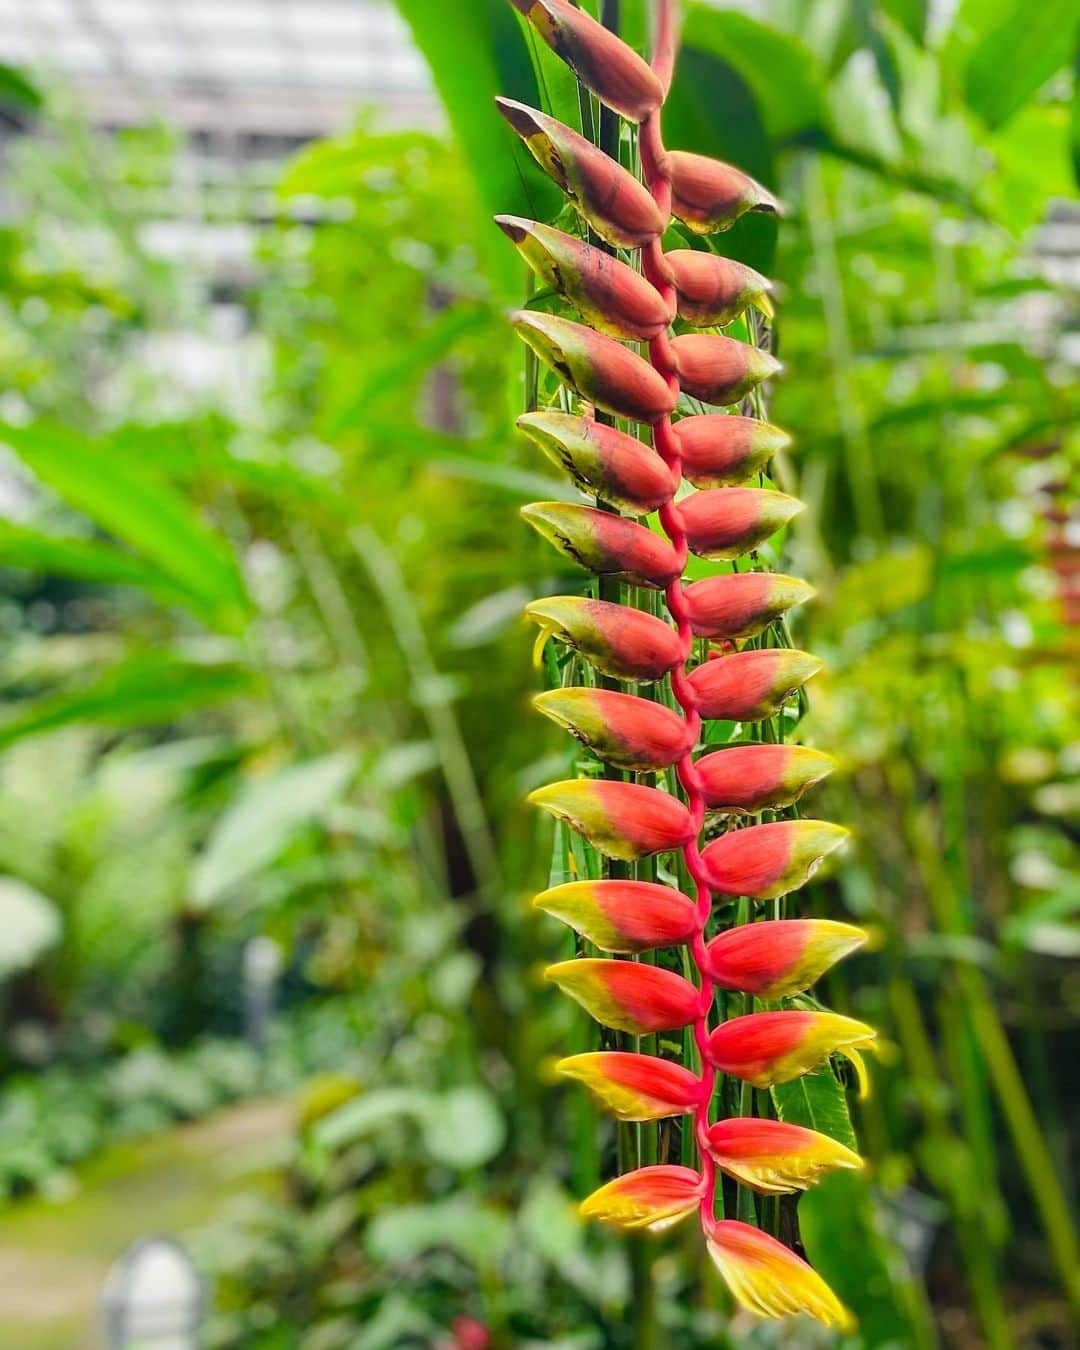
{"x": 786, "y": 78}
{"x": 148, "y": 689}
{"x": 1017, "y": 54}
{"x": 137, "y": 506}
{"x": 263, "y": 819}
{"x": 85, "y": 559}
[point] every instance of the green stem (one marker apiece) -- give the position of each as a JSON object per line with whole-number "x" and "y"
{"x": 1027, "y": 1137}
{"x": 429, "y": 693}
{"x": 869, "y": 518}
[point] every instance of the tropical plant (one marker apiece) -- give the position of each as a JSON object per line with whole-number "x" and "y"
{"x": 312, "y": 569}
{"x": 735, "y": 693}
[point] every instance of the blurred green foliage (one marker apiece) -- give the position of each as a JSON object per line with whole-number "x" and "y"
{"x": 264, "y": 674}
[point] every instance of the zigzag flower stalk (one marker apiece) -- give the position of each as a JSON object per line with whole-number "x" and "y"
{"x": 746, "y": 680}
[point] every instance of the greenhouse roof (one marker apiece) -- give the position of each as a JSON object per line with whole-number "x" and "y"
{"x": 288, "y": 68}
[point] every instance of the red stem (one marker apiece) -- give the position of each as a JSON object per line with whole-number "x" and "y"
{"x": 662, "y": 357}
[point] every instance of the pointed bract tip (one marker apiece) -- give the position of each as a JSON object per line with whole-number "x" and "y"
{"x": 801, "y": 591}
{"x": 516, "y": 228}
{"x": 520, "y": 116}
{"x": 552, "y": 607}
{"x": 770, "y": 1280}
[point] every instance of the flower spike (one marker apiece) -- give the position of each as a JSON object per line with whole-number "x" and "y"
{"x": 774, "y": 1157}
{"x": 604, "y": 543}
{"x": 596, "y": 367}
{"x": 602, "y": 62}
{"x": 625, "y": 731}
{"x": 613, "y": 297}
{"x": 614, "y": 203}
{"x": 770, "y": 1280}
{"x": 780, "y": 957}
{"x": 601, "y": 459}
{"x": 652, "y": 1198}
{"x": 630, "y": 997}
{"x": 623, "y": 820}
{"x": 635, "y": 1087}
{"x": 622, "y": 916}
{"x": 624, "y": 300}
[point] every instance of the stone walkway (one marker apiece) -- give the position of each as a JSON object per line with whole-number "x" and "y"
{"x": 54, "y": 1256}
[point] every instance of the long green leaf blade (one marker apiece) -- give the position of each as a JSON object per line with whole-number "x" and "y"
{"x": 133, "y": 504}
{"x": 148, "y": 689}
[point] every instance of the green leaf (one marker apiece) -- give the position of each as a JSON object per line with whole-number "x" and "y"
{"x": 909, "y": 14}
{"x": 1074, "y": 119}
{"x": 17, "y": 91}
{"x": 337, "y": 167}
{"x": 784, "y": 76}
{"x": 847, "y": 1244}
{"x": 818, "y": 1101}
{"x": 479, "y": 1232}
{"x": 29, "y": 925}
{"x": 1017, "y": 55}
{"x": 85, "y": 559}
{"x": 868, "y": 27}
{"x": 862, "y": 115}
{"x": 133, "y": 504}
{"x": 475, "y": 54}
{"x": 406, "y": 366}
{"x": 148, "y": 689}
{"x": 464, "y": 1128}
{"x": 366, "y": 1113}
{"x": 519, "y": 482}
{"x": 461, "y": 1128}
{"x": 264, "y": 819}
{"x": 1034, "y": 164}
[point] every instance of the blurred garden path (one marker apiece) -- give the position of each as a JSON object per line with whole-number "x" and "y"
{"x": 54, "y": 1255}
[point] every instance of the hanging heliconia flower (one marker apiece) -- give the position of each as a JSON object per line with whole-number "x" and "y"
{"x": 745, "y": 679}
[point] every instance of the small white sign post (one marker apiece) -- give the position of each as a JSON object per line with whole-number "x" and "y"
{"x": 154, "y": 1298}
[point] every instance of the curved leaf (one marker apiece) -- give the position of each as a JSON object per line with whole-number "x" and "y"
{"x": 1017, "y": 55}
{"x": 145, "y": 690}
{"x": 263, "y": 819}
{"x": 85, "y": 559}
{"x": 131, "y": 502}
{"x": 784, "y": 75}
